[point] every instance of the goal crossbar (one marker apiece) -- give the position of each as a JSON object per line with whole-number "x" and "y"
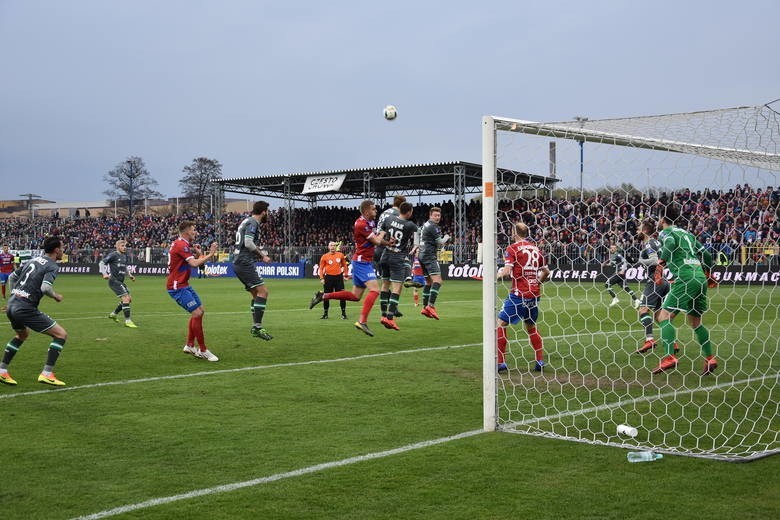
{"x": 763, "y": 160}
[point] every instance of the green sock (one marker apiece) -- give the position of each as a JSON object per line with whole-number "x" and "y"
{"x": 668, "y": 336}
{"x": 703, "y": 337}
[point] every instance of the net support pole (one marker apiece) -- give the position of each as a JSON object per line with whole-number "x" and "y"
{"x": 219, "y": 210}
{"x": 489, "y": 274}
{"x": 288, "y": 221}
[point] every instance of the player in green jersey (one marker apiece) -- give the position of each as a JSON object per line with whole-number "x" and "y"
{"x": 689, "y": 263}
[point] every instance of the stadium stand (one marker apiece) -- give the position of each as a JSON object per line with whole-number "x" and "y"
{"x": 742, "y": 219}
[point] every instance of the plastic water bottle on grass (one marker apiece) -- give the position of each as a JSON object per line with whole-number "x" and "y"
{"x": 643, "y": 456}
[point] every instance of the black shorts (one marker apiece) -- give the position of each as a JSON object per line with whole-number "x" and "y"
{"x": 119, "y": 288}
{"x": 394, "y": 266}
{"x": 22, "y": 314}
{"x": 616, "y": 279}
{"x": 333, "y": 282}
{"x": 377, "y": 261}
{"x": 430, "y": 266}
{"x": 653, "y": 295}
{"x": 247, "y": 274}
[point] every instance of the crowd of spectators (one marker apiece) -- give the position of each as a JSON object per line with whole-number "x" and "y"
{"x": 582, "y": 230}
{"x": 566, "y": 227}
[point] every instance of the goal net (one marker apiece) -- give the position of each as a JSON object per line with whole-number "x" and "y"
{"x": 582, "y": 186}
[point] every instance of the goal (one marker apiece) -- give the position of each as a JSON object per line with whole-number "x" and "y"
{"x": 582, "y": 186}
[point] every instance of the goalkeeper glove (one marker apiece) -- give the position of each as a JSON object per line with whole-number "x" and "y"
{"x": 711, "y": 281}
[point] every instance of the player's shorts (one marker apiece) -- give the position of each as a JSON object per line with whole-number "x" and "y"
{"x": 362, "y": 272}
{"x": 247, "y": 274}
{"x": 653, "y": 295}
{"x": 382, "y": 271}
{"x": 119, "y": 288}
{"x": 394, "y": 266}
{"x": 430, "y": 267}
{"x": 4, "y": 277}
{"x": 419, "y": 279}
{"x": 378, "y": 252}
{"x": 186, "y": 297}
{"x": 688, "y": 296}
{"x": 333, "y": 282}
{"x": 22, "y": 314}
{"x": 517, "y": 308}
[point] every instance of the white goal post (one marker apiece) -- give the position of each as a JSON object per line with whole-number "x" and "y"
{"x": 584, "y": 188}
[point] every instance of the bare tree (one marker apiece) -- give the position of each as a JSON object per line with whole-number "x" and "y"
{"x": 197, "y": 184}
{"x": 131, "y": 181}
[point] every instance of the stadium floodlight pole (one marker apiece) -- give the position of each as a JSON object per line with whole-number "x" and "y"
{"x": 489, "y": 374}
{"x": 648, "y": 183}
{"x": 582, "y": 162}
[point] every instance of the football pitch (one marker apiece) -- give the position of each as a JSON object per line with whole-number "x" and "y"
{"x": 325, "y": 422}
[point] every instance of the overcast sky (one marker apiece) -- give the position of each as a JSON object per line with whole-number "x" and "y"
{"x": 284, "y": 87}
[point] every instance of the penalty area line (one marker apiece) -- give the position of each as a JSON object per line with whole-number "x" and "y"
{"x": 268, "y": 367}
{"x": 232, "y": 370}
{"x": 226, "y": 488}
{"x": 67, "y": 317}
{"x": 643, "y": 399}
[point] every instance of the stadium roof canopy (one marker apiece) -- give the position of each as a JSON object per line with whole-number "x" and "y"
{"x": 456, "y": 178}
{"x": 432, "y": 179}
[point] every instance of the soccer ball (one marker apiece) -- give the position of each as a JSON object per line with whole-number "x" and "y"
{"x": 390, "y": 112}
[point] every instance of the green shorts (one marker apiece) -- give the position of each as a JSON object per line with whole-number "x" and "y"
{"x": 688, "y": 296}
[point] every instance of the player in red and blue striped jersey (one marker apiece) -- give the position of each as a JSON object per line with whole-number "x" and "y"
{"x": 7, "y": 266}
{"x": 525, "y": 263}
{"x": 418, "y": 278}
{"x": 363, "y": 274}
{"x": 182, "y": 256}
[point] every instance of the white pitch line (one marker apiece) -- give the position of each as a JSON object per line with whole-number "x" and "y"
{"x": 298, "y": 363}
{"x": 643, "y": 399}
{"x": 226, "y": 488}
{"x": 231, "y": 370}
{"x": 267, "y": 367}
{"x": 102, "y": 317}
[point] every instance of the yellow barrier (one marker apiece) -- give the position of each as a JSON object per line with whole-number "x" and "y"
{"x": 445, "y": 256}
{"x": 746, "y": 253}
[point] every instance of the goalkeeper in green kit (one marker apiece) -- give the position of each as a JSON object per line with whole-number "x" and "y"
{"x": 690, "y": 265}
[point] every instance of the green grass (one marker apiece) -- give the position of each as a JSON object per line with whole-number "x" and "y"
{"x": 693, "y": 414}
{"x": 130, "y": 430}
